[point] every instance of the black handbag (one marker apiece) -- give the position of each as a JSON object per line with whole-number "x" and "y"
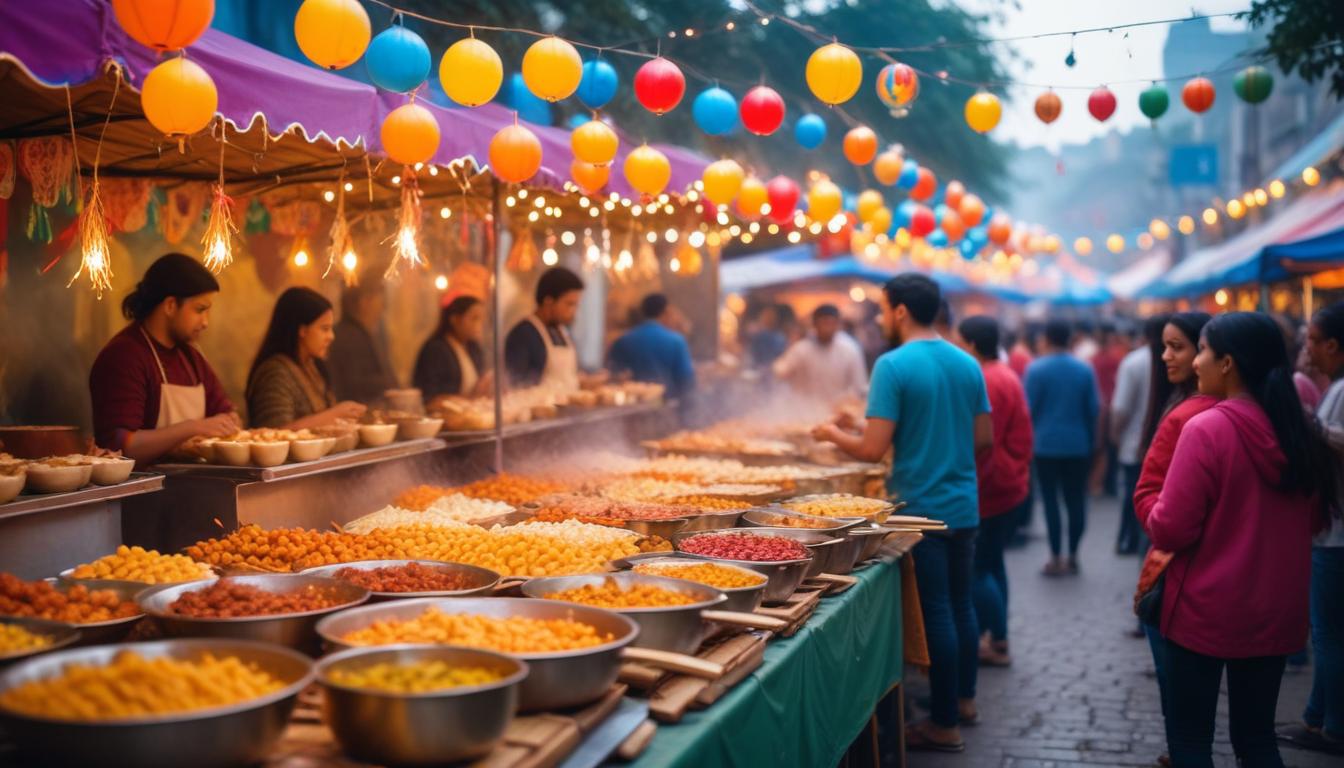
{"x": 1149, "y": 607}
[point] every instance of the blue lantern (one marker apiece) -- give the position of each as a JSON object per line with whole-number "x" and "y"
{"x": 968, "y": 249}
{"x": 909, "y": 175}
{"x": 939, "y": 211}
{"x": 810, "y": 131}
{"x": 937, "y": 238}
{"x": 715, "y": 111}
{"x": 516, "y": 95}
{"x": 978, "y": 235}
{"x": 577, "y": 119}
{"x": 598, "y": 84}
{"x": 397, "y": 59}
{"x": 904, "y": 213}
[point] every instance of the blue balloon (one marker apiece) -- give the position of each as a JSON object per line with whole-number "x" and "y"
{"x": 529, "y": 107}
{"x": 937, "y": 238}
{"x": 397, "y": 59}
{"x": 909, "y": 175}
{"x": 810, "y": 131}
{"x": 577, "y": 119}
{"x": 849, "y": 201}
{"x": 598, "y": 85}
{"x": 968, "y": 249}
{"x": 939, "y": 211}
{"x": 904, "y": 213}
{"x": 978, "y": 234}
{"x": 715, "y": 111}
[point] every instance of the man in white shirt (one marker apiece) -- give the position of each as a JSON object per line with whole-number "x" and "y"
{"x": 1129, "y": 408}
{"x": 827, "y": 365}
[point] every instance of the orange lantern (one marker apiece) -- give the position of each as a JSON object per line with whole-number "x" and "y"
{"x": 860, "y": 145}
{"x": 870, "y": 200}
{"x": 594, "y": 142}
{"x": 1000, "y": 229}
{"x": 1198, "y": 95}
{"x": 589, "y": 177}
{"x": 515, "y": 154}
{"x": 887, "y": 167}
{"x": 952, "y": 225}
{"x": 953, "y": 193}
{"x": 751, "y": 197}
{"x": 164, "y": 25}
{"x": 647, "y": 170}
{"x": 972, "y": 210}
{"x": 410, "y": 134}
{"x": 332, "y": 33}
{"x": 178, "y": 97}
{"x": 1048, "y": 107}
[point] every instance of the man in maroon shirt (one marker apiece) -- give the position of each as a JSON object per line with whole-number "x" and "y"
{"x": 151, "y": 388}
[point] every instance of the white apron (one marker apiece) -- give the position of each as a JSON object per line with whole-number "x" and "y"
{"x": 177, "y": 403}
{"x": 470, "y": 376}
{"x": 562, "y": 363}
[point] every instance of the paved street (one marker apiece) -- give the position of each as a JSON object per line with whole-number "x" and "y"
{"x": 1081, "y": 690}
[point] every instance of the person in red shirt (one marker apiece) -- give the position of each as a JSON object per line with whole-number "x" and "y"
{"x": 1003, "y": 473}
{"x": 151, "y": 388}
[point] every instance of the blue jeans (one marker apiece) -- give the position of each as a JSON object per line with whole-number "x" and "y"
{"x": 1131, "y": 537}
{"x": 1325, "y": 708}
{"x": 1193, "y": 683}
{"x": 991, "y": 578}
{"x": 944, "y": 570}
{"x": 1066, "y": 474}
{"x": 1158, "y": 645}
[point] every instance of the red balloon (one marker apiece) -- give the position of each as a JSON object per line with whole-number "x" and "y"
{"x": 762, "y": 110}
{"x": 659, "y": 85}
{"x": 1000, "y": 229}
{"x": 953, "y": 193}
{"x": 922, "y": 221}
{"x": 926, "y": 186}
{"x": 1101, "y": 104}
{"x": 783, "y": 194}
{"x": 1198, "y": 95}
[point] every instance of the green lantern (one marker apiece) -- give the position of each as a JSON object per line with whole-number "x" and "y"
{"x": 1253, "y": 84}
{"x": 1153, "y": 101}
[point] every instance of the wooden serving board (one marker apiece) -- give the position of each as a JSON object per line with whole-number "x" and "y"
{"x": 796, "y": 610}
{"x": 672, "y": 695}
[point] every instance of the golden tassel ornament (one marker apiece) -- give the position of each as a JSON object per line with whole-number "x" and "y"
{"x": 219, "y": 228}
{"x": 406, "y": 240}
{"x": 340, "y": 243}
{"x": 94, "y": 250}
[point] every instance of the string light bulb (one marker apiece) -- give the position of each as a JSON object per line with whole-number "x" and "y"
{"x": 441, "y": 283}
{"x": 1186, "y": 225}
{"x": 1210, "y": 217}
{"x": 445, "y": 212}
{"x": 1310, "y": 176}
{"x": 1276, "y": 189}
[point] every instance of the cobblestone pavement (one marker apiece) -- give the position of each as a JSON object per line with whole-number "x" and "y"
{"x": 1081, "y": 690}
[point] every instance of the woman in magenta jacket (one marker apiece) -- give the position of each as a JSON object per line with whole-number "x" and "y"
{"x": 1238, "y": 510}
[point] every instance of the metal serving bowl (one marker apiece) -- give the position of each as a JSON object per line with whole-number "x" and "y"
{"x": 878, "y": 516}
{"x": 872, "y": 537}
{"x": 294, "y": 630}
{"x": 711, "y": 521}
{"x": 59, "y": 633}
{"x": 663, "y": 528}
{"x": 772, "y": 517}
{"x": 133, "y": 588}
{"x": 482, "y": 580}
{"x": 239, "y": 734}
{"x": 112, "y": 630}
{"x": 427, "y": 728}
{"x": 555, "y": 680}
{"x": 826, "y": 550}
{"x": 782, "y": 576}
{"x": 741, "y": 599}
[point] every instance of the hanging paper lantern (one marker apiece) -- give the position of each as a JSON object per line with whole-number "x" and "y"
{"x": 880, "y": 222}
{"x": 909, "y": 175}
{"x": 953, "y": 193}
{"x": 552, "y": 69}
{"x": 659, "y": 85}
{"x": 1198, "y": 95}
{"x": 834, "y": 73}
{"x": 860, "y": 145}
{"x": 824, "y": 200}
{"x": 887, "y": 167}
{"x": 1253, "y": 84}
{"x": 594, "y": 142}
{"x": 972, "y": 210}
{"x": 715, "y": 111}
{"x": 782, "y": 193}
{"x": 1048, "y": 107}
{"x": 952, "y": 224}
{"x": 762, "y": 110}
{"x": 722, "y": 180}
{"x": 178, "y": 97}
{"x": 925, "y": 187}
{"x": 1101, "y": 103}
{"x": 520, "y": 99}
{"x": 647, "y": 170}
{"x": 332, "y": 33}
{"x": 470, "y": 72}
{"x": 164, "y": 25}
{"x": 897, "y": 86}
{"x": 937, "y": 239}
{"x": 410, "y": 134}
{"x": 590, "y": 178}
{"x": 868, "y": 203}
{"x": 983, "y": 112}
{"x": 922, "y": 221}
{"x": 398, "y": 60}
{"x": 810, "y": 131}
{"x": 598, "y": 84}
{"x": 751, "y": 197}
{"x": 1153, "y": 101}
{"x": 904, "y": 212}
{"x": 515, "y": 154}
{"x": 1000, "y": 229}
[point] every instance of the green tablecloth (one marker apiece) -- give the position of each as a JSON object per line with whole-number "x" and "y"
{"x": 812, "y": 695}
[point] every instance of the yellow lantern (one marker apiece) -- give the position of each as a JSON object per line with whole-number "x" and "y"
{"x": 589, "y": 177}
{"x": 881, "y": 220}
{"x": 594, "y": 142}
{"x": 333, "y": 33}
{"x": 410, "y": 134}
{"x": 887, "y": 167}
{"x": 178, "y": 97}
{"x": 1082, "y": 246}
{"x": 1115, "y": 243}
{"x": 647, "y": 170}
{"x": 752, "y": 197}
{"x": 552, "y": 69}
{"x": 824, "y": 200}
{"x": 983, "y": 112}
{"x": 834, "y": 73}
{"x": 515, "y": 154}
{"x": 722, "y": 180}
{"x": 470, "y": 72}
{"x": 870, "y": 200}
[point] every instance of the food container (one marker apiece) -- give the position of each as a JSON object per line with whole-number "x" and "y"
{"x": 782, "y": 576}
{"x": 872, "y": 537}
{"x": 232, "y": 453}
{"x": 663, "y": 528}
{"x": 374, "y": 435}
{"x": 347, "y": 441}
{"x": 238, "y": 734}
{"x": 879, "y": 515}
{"x": 772, "y": 517}
{"x": 125, "y": 587}
{"x": 428, "y": 728}
{"x": 45, "y": 479}
{"x": 408, "y": 399}
{"x": 418, "y": 428}
{"x": 12, "y": 485}
{"x": 827, "y": 552}
{"x": 111, "y": 630}
{"x": 483, "y": 581}
{"x": 294, "y": 630}
{"x": 26, "y": 442}
{"x": 741, "y": 599}
{"x": 59, "y": 633}
{"x": 310, "y": 450}
{"x": 711, "y": 521}
{"x": 109, "y": 471}
{"x": 270, "y": 454}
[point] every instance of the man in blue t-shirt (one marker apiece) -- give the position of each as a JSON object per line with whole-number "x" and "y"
{"x": 653, "y": 352}
{"x": 927, "y": 402}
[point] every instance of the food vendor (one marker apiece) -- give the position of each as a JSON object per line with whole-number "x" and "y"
{"x": 452, "y": 361}
{"x": 288, "y": 385}
{"x": 654, "y": 351}
{"x": 539, "y": 349}
{"x": 358, "y": 361}
{"x": 151, "y": 388}
{"x": 827, "y": 365}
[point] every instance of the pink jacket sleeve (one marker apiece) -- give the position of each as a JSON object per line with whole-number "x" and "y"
{"x": 1190, "y": 491}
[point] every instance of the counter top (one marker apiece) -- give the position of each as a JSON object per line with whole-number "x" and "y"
{"x": 336, "y": 461}
{"x": 573, "y": 418}
{"x": 31, "y": 503}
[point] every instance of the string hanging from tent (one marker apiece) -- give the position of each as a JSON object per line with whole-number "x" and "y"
{"x": 340, "y": 242}
{"x": 219, "y": 228}
{"x": 95, "y": 253}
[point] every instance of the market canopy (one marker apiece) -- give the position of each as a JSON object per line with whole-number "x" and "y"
{"x": 1312, "y": 254}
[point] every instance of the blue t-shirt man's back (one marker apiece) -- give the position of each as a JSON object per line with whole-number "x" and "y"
{"x": 1062, "y": 393}
{"x": 933, "y": 391}
{"x": 651, "y": 352}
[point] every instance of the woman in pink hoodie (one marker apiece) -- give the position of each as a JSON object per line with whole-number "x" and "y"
{"x": 1238, "y": 511}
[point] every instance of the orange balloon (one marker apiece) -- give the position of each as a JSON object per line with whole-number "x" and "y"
{"x": 952, "y": 194}
{"x": 590, "y": 178}
{"x": 751, "y": 197}
{"x": 926, "y": 186}
{"x": 860, "y": 145}
{"x": 647, "y": 170}
{"x": 410, "y": 134}
{"x": 1000, "y": 229}
{"x": 972, "y": 210}
{"x": 164, "y": 25}
{"x": 887, "y": 167}
{"x": 1048, "y": 107}
{"x": 594, "y": 142}
{"x": 515, "y": 154}
{"x": 953, "y": 226}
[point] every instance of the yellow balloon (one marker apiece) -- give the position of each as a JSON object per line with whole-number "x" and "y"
{"x": 410, "y": 134}
{"x": 552, "y": 69}
{"x": 333, "y": 33}
{"x": 983, "y": 112}
{"x": 834, "y": 73}
{"x": 647, "y": 170}
{"x": 178, "y": 97}
{"x": 470, "y": 72}
{"x": 887, "y": 167}
{"x": 594, "y": 142}
{"x": 870, "y": 200}
{"x": 751, "y": 197}
{"x": 824, "y": 201}
{"x": 881, "y": 220}
{"x": 722, "y": 180}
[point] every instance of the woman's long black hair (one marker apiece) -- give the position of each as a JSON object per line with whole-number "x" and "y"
{"x": 1255, "y": 343}
{"x": 1162, "y": 394}
{"x": 455, "y": 308}
{"x": 295, "y": 308}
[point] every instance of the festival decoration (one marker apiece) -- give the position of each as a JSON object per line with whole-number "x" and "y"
{"x": 594, "y": 142}
{"x": 925, "y": 187}
{"x": 953, "y": 193}
{"x": 217, "y": 242}
{"x": 179, "y": 98}
{"x": 410, "y": 134}
{"x": 937, "y": 239}
{"x": 952, "y": 225}
{"x": 340, "y": 244}
{"x": 922, "y": 221}
{"x": 332, "y": 33}
{"x": 1000, "y": 229}
{"x": 397, "y": 60}
{"x": 834, "y": 73}
{"x": 659, "y": 85}
{"x": 887, "y": 167}
{"x": 520, "y": 99}
{"x": 824, "y": 200}
{"x": 1101, "y": 104}
{"x": 762, "y": 110}
{"x": 647, "y": 170}
{"x": 47, "y": 163}
{"x": 406, "y": 240}
{"x": 552, "y": 69}
{"x": 182, "y": 210}
{"x": 783, "y": 195}
{"x": 470, "y": 72}
{"x": 860, "y": 145}
{"x": 971, "y": 210}
{"x": 1048, "y": 107}
{"x": 751, "y": 197}
{"x": 909, "y": 175}
{"x": 983, "y": 112}
{"x": 722, "y": 180}
{"x": 1253, "y": 84}
{"x": 1198, "y": 95}
{"x": 715, "y": 111}
{"x": 1153, "y": 101}
{"x": 590, "y": 178}
{"x": 870, "y": 200}
{"x": 897, "y": 86}
{"x": 125, "y": 202}
{"x": 904, "y": 212}
{"x": 881, "y": 220}
{"x": 515, "y": 153}
{"x": 598, "y": 84}
{"x": 164, "y": 25}
{"x": 810, "y": 131}
{"x": 1115, "y": 243}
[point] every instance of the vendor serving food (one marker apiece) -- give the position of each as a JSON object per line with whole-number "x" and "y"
{"x": 451, "y": 361}
{"x": 539, "y": 350}
{"x": 151, "y": 388}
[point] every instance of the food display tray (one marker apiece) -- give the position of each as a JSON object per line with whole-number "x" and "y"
{"x": 29, "y": 503}
{"x": 330, "y": 463}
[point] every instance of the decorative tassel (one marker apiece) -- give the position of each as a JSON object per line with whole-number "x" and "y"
{"x": 406, "y": 240}
{"x": 219, "y": 231}
{"x": 339, "y": 236}
{"x": 95, "y": 255}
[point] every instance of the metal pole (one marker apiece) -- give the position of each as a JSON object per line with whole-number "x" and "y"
{"x": 497, "y": 257}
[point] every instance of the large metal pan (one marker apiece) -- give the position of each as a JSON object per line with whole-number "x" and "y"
{"x": 58, "y": 635}
{"x": 481, "y": 580}
{"x": 743, "y": 599}
{"x": 872, "y": 537}
{"x": 112, "y": 630}
{"x": 879, "y": 515}
{"x": 819, "y": 546}
{"x": 782, "y": 576}
{"x": 711, "y": 520}
{"x": 779, "y": 517}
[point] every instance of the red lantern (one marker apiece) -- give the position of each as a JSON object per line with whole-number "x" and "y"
{"x": 922, "y": 221}
{"x": 953, "y": 193}
{"x": 659, "y": 86}
{"x": 1000, "y": 229}
{"x": 925, "y": 187}
{"x": 953, "y": 225}
{"x": 783, "y": 196}
{"x": 762, "y": 110}
{"x": 1101, "y": 104}
{"x": 1198, "y": 95}
{"x": 1048, "y": 107}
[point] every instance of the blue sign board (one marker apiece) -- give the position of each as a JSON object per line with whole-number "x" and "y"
{"x": 1193, "y": 165}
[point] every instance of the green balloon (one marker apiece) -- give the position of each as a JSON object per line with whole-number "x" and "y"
{"x": 1253, "y": 84}
{"x": 1153, "y": 102}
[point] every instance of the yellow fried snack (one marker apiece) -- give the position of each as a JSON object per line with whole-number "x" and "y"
{"x": 16, "y": 638}
{"x": 612, "y": 595}
{"x": 147, "y": 566}
{"x": 713, "y": 574}
{"x": 515, "y": 634}
{"x": 416, "y": 677}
